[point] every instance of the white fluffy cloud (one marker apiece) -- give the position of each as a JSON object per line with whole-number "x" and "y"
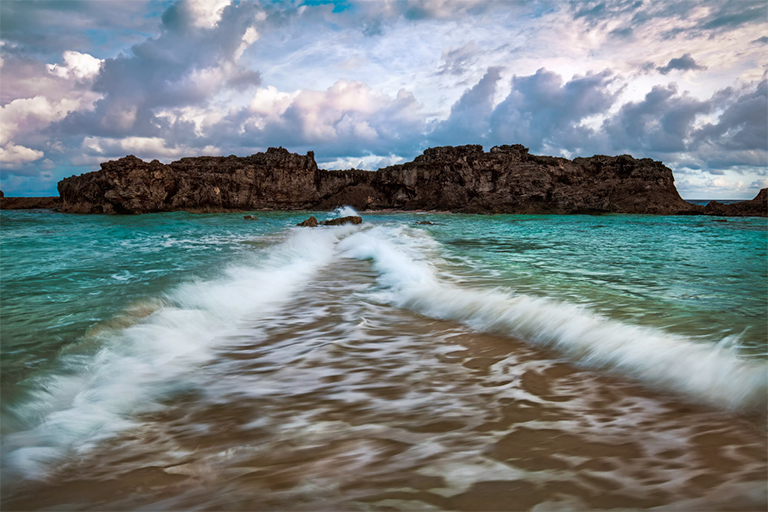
{"x": 349, "y": 116}
{"x": 13, "y": 154}
{"x": 78, "y": 65}
{"x": 99, "y": 149}
{"x": 207, "y": 13}
{"x": 32, "y": 114}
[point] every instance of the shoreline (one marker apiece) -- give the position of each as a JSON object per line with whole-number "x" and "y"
{"x": 712, "y": 209}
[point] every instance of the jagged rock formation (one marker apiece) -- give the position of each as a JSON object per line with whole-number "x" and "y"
{"x": 754, "y": 208}
{"x": 507, "y": 179}
{"x": 29, "y": 203}
{"x": 276, "y": 179}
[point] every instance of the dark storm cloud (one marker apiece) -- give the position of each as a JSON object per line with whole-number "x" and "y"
{"x": 469, "y": 120}
{"x": 743, "y": 125}
{"x": 183, "y": 66}
{"x": 660, "y": 123}
{"x": 684, "y": 63}
{"x": 541, "y": 109}
{"x": 547, "y": 114}
{"x": 761, "y": 40}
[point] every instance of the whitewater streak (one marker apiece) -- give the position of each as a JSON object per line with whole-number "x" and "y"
{"x": 706, "y": 373}
{"x": 95, "y": 396}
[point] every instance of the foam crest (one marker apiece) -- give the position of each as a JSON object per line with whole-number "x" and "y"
{"x": 345, "y": 211}
{"x": 707, "y": 373}
{"x": 95, "y": 396}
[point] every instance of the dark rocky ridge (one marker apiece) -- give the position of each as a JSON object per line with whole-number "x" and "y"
{"x": 507, "y": 179}
{"x": 29, "y": 203}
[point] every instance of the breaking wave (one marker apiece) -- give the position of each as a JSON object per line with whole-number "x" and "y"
{"x": 94, "y": 395}
{"x": 712, "y": 374}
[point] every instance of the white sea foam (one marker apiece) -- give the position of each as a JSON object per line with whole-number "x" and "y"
{"x": 95, "y": 396}
{"x": 345, "y": 211}
{"x": 707, "y": 373}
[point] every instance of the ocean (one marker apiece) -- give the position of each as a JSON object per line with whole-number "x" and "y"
{"x": 419, "y": 361}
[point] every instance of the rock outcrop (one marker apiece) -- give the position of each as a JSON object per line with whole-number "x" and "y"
{"x": 29, "y": 203}
{"x": 507, "y": 179}
{"x": 309, "y": 223}
{"x": 352, "y": 219}
{"x": 276, "y": 179}
{"x": 754, "y": 208}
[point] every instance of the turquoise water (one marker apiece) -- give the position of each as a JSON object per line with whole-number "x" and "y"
{"x": 105, "y": 317}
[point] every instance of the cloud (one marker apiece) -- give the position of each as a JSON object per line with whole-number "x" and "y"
{"x": 12, "y": 154}
{"x": 733, "y": 14}
{"x": 661, "y": 122}
{"x": 469, "y": 120}
{"x": 729, "y": 185}
{"x": 193, "y": 60}
{"x": 78, "y": 65}
{"x": 458, "y": 60}
{"x": 100, "y": 149}
{"x": 47, "y": 26}
{"x": 584, "y": 116}
{"x": 347, "y": 119}
{"x": 27, "y": 116}
{"x": 543, "y": 111}
{"x": 207, "y": 13}
{"x": 367, "y": 162}
{"x": 684, "y": 63}
{"x": 743, "y": 124}
{"x": 368, "y": 83}
{"x": 443, "y": 9}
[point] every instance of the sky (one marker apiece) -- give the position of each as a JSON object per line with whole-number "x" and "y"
{"x": 367, "y": 84}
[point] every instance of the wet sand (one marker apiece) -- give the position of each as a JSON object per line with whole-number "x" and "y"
{"x": 339, "y": 403}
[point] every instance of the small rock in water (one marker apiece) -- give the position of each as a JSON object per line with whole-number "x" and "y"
{"x": 343, "y": 220}
{"x": 310, "y": 223}
{"x": 250, "y": 217}
{"x": 425, "y": 223}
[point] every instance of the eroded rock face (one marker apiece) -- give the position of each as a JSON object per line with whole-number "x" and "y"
{"x": 276, "y": 179}
{"x": 507, "y": 179}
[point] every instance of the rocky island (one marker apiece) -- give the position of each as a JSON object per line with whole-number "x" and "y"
{"x": 506, "y": 179}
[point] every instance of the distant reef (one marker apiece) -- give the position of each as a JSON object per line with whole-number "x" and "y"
{"x": 466, "y": 179}
{"x": 29, "y": 203}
